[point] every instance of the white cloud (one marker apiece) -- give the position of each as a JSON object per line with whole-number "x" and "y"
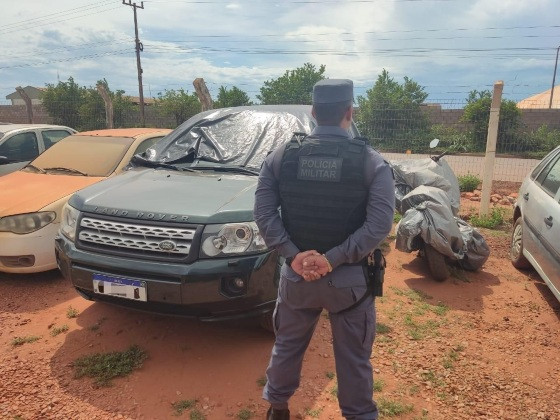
{"x": 435, "y": 43}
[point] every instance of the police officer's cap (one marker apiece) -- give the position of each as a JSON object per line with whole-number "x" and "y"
{"x": 330, "y": 91}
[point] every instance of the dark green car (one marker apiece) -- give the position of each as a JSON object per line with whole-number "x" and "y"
{"x": 175, "y": 233}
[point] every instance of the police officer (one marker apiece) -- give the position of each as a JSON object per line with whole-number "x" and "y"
{"x": 336, "y": 196}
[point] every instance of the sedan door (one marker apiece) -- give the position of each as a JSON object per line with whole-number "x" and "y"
{"x": 550, "y": 232}
{"x": 16, "y": 151}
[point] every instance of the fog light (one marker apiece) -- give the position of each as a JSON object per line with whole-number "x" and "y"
{"x": 18, "y": 261}
{"x": 233, "y": 286}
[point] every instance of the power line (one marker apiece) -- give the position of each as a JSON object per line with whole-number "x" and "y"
{"x": 77, "y": 47}
{"x": 65, "y": 12}
{"x": 56, "y": 20}
{"x": 120, "y": 52}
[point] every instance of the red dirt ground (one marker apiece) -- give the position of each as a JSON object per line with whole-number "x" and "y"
{"x": 482, "y": 345}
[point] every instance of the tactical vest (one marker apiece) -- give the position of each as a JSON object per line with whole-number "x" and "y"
{"x": 323, "y": 196}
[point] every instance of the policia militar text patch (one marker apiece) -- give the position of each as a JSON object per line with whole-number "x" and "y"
{"x": 319, "y": 169}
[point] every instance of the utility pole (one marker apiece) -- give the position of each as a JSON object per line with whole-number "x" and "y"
{"x": 139, "y": 47}
{"x": 553, "y": 79}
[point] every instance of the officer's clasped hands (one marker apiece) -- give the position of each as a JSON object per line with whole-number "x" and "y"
{"x": 311, "y": 265}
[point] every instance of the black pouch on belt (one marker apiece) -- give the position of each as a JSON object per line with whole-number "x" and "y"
{"x": 374, "y": 269}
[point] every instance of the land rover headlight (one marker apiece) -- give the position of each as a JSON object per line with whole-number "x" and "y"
{"x": 69, "y": 222}
{"x": 26, "y": 223}
{"x": 231, "y": 239}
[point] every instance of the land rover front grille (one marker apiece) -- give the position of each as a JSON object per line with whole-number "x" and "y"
{"x": 132, "y": 238}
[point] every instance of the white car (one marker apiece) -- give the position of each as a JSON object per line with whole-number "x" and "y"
{"x": 535, "y": 239}
{"x": 21, "y": 143}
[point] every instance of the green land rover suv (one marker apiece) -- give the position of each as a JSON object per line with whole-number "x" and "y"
{"x": 175, "y": 232}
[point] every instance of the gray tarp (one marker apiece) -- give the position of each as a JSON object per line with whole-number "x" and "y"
{"x": 429, "y": 213}
{"x": 240, "y": 136}
{"x": 412, "y": 173}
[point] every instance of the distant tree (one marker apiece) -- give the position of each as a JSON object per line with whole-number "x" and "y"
{"x": 83, "y": 108}
{"x": 179, "y": 104}
{"x": 390, "y": 114}
{"x": 231, "y": 97}
{"x": 63, "y": 101}
{"x": 477, "y": 112}
{"x": 294, "y": 87}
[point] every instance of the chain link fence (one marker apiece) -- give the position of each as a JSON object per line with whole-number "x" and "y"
{"x": 524, "y": 135}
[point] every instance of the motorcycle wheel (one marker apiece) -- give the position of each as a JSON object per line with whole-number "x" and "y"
{"x": 436, "y": 263}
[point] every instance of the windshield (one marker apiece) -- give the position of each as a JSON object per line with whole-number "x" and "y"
{"x": 232, "y": 136}
{"x": 91, "y": 155}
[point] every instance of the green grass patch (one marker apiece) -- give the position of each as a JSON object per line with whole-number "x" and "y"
{"x": 450, "y": 358}
{"x": 397, "y": 217}
{"x": 468, "y": 183}
{"x": 378, "y": 385}
{"x": 72, "y": 312}
{"x": 20, "y": 341}
{"x": 412, "y": 294}
{"x": 381, "y": 328}
{"x": 103, "y": 367}
{"x": 334, "y": 390}
{"x": 261, "y": 381}
{"x": 391, "y": 408}
{"x": 59, "y": 330}
{"x": 440, "y": 309}
{"x": 196, "y": 414}
{"x": 430, "y": 376}
{"x": 183, "y": 405}
{"x": 244, "y": 414}
{"x": 313, "y": 413}
{"x": 489, "y": 221}
{"x": 97, "y": 325}
{"x": 414, "y": 390}
{"x": 330, "y": 375}
{"x": 420, "y": 330}
{"x": 424, "y": 415}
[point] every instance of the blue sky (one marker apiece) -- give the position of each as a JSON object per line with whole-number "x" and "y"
{"x": 448, "y": 46}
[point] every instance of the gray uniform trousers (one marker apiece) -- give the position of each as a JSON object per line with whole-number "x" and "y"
{"x": 298, "y": 308}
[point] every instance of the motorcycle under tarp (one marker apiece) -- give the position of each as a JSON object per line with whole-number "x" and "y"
{"x": 428, "y": 197}
{"x": 428, "y": 215}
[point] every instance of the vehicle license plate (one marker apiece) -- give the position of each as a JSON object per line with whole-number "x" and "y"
{"x": 120, "y": 287}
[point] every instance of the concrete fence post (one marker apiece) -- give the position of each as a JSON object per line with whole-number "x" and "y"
{"x": 28, "y": 104}
{"x": 108, "y": 104}
{"x": 491, "y": 140}
{"x": 203, "y": 94}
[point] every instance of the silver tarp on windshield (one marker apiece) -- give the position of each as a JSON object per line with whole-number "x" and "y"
{"x": 241, "y": 136}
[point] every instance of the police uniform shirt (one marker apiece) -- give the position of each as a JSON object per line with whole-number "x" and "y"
{"x": 379, "y": 213}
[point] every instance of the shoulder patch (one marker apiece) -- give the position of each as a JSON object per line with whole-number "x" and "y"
{"x": 315, "y": 168}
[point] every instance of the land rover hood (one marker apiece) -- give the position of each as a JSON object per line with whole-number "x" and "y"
{"x": 163, "y": 195}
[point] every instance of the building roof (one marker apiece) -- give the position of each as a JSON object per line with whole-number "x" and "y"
{"x": 28, "y": 90}
{"x": 541, "y": 100}
{"x": 136, "y": 100}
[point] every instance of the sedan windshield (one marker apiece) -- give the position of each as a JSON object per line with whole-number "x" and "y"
{"x": 89, "y": 155}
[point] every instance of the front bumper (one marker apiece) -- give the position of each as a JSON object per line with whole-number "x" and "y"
{"x": 198, "y": 290}
{"x": 39, "y": 245}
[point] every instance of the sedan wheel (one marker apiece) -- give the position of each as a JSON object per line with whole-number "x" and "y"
{"x": 516, "y": 251}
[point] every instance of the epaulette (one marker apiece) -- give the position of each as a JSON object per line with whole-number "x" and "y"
{"x": 362, "y": 141}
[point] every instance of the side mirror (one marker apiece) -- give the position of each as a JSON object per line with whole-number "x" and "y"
{"x": 434, "y": 143}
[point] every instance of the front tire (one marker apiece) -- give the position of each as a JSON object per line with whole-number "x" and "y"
{"x": 436, "y": 263}
{"x": 516, "y": 256}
